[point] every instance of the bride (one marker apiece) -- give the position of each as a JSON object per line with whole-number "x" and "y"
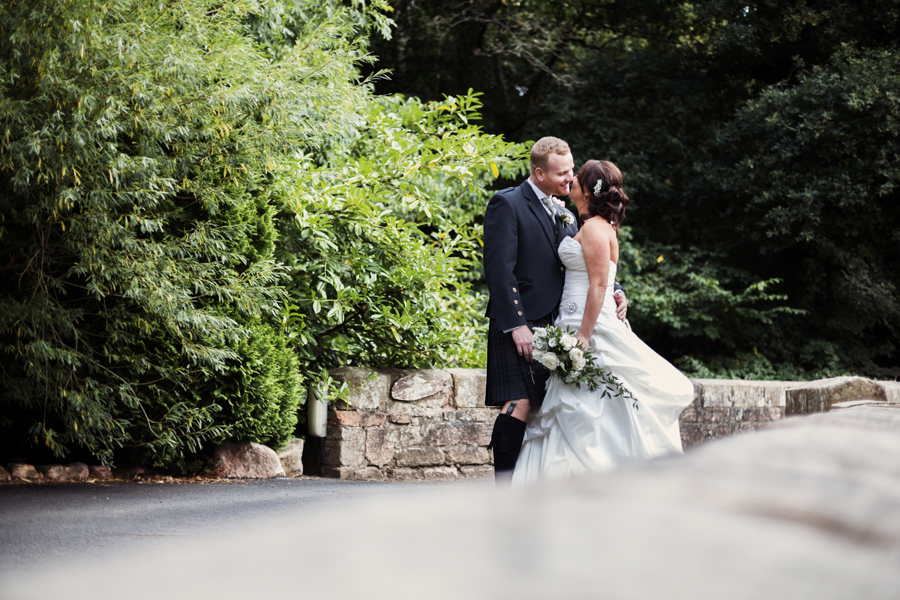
{"x": 575, "y": 430}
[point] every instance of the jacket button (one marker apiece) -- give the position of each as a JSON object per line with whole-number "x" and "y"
{"x": 515, "y": 301}
{"x": 562, "y": 268}
{"x": 515, "y": 290}
{"x": 520, "y": 313}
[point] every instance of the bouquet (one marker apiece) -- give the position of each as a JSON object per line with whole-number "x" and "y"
{"x": 562, "y": 355}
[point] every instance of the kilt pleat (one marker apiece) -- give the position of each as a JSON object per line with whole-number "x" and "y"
{"x": 509, "y": 376}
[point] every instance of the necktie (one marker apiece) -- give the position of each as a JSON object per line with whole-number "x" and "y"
{"x": 551, "y": 205}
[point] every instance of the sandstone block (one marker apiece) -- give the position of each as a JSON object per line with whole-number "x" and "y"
{"x": 372, "y": 419}
{"x": 443, "y": 434}
{"x": 693, "y": 434}
{"x": 343, "y": 418}
{"x": 423, "y": 456}
{"x": 100, "y": 472}
{"x": 469, "y": 387}
{"x": 355, "y": 473}
{"x": 399, "y": 418}
{"x": 291, "y": 458}
{"x": 404, "y": 474}
{"x": 24, "y": 471}
{"x": 476, "y": 472}
{"x": 891, "y": 390}
{"x": 727, "y": 393}
{"x": 246, "y": 461}
{"x": 483, "y": 433}
{"x": 478, "y": 415}
{"x": 468, "y": 454}
{"x": 427, "y": 388}
{"x": 379, "y": 447}
{"x": 818, "y": 396}
{"x": 425, "y": 412}
{"x": 714, "y": 415}
{"x": 349, "y": 451}
{"x": 369, "y": 389}
{"x": 405, "y": 436}
{"x": 348, "y": 433}
{"x": 689, "y": 414}
{"x": 440, "y": 473}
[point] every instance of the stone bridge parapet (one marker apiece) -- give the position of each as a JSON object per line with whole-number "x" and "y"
{"x": 433, "y": 424}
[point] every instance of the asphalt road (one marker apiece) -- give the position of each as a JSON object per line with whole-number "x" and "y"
{"x": 53, "y": 525}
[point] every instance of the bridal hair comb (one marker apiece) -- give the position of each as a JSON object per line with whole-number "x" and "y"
{"x": 598, "y": 188}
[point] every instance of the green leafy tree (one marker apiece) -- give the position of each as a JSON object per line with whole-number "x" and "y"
{"x": 382, "y": 241}
{"x": 757, "y": 143}
{"x": 139, "y": 144}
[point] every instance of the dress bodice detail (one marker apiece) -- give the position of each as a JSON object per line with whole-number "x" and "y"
{"x": 572, "y": 256}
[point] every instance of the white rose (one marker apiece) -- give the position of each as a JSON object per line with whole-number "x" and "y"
{"x": 578, "y": 360}
{"x": 538, "y": 355}
{"x": 551, "y": 342}
{"x": 568, "y": 341}
{"x": 550, "y": 361}
{"x": 540, "y": 332}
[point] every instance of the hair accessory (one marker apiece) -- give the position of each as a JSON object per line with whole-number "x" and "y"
{"x": 598, "y": 188}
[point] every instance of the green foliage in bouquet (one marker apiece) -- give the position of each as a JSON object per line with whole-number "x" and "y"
{"x": 561, "y": 353}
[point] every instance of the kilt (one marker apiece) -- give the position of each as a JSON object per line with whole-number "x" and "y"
{"x": 509, "y": 376}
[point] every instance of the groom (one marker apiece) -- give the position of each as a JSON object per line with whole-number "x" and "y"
{"x": 523, "y": 227}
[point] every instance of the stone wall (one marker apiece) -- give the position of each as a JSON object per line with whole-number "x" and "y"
{"x": 433, "y": 424}
{"x": 723, "y": 407}
{"x": 424, "y": 424}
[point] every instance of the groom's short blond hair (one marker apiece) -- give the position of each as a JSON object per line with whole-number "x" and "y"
{"x": 542, "y": 150}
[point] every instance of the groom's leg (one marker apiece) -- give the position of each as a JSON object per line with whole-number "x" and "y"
{"x": 506, "y": 439}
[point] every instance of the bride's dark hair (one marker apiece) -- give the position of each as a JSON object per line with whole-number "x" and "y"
{"x": 611, "y": 200}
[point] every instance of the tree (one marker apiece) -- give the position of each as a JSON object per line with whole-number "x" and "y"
{"x": 382, "y": 240}
{"x": 139, "y": 142}
{"x": 708, "y": 108}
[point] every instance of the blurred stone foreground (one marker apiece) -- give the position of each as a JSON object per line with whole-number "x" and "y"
{"x": 807, "y": 508}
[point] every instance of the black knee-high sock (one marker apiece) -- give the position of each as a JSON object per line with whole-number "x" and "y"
{"x": 506, "y": 441}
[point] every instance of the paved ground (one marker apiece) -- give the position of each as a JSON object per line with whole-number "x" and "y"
{"x": 808, "y": 509}
{"x": 52, "y": 525}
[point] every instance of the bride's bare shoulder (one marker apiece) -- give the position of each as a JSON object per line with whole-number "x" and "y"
{"x": 598, "y": 227}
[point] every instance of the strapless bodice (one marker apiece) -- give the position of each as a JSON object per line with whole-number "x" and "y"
{"x": 572, "y": 257}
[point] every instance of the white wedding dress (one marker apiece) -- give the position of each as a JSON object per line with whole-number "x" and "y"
{"x": 577, "y": 431}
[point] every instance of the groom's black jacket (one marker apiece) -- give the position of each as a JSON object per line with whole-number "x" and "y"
{"x": 521, "y": 262}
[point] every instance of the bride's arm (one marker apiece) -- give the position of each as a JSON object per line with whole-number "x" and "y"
{"x": 596, "y": 248}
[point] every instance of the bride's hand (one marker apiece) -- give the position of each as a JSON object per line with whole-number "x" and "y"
{"x": 583, "y": 341}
